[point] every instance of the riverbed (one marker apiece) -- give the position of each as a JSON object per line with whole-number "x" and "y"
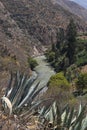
{"x": 43, "y": 70}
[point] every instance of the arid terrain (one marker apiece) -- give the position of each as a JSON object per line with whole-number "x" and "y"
{"x": 27, "y": 29}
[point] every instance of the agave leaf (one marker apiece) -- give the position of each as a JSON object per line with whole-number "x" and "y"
{"x": 8, "y": 104}
{"x": 21, "y": 90}
{"x": 69, "y": 120}
{"x": 33, "y": 106}
{"x": 34, "y": 90}
{"x": 9, "y": 85}
{"x": 64, "y": 108}
{"x": 84, "y": 123}
{"x": 54, "y": 109}
{"x": 27, "y": 88}
{"x": 78, "y": 126}
{"x": 47, "y": 112}
{"x": 80, "y": 115}
{"x": 53, "y": 114}
{"x": 80, "y": 109}
{"x": 18, "y": 91}
{"x": 58, "y": 116}
{"x": 28, "y": 96}
{"x": 37, "y": 92}
{"x": 66, "y": 117}
{"x": 42, "y": 111}
{"x": 79, "y": 119}
{"x": 85, "y": 128}
{"x": 15, "y": 87}
{"x": 26, "y": 85}
{"x": 73, "y": 120}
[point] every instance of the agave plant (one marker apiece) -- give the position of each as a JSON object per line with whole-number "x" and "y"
{"x": 21, "y": 91}
{"x": 67, "y": 120}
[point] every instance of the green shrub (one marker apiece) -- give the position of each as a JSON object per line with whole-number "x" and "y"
{"x": 82, "y": 61}
{"x": 58, "y": 80}
{"x": 81, "y": 58}
{"x": 81, "y": 82}
{"x": 50, "y": 56}
{"x": 32, "y": 62}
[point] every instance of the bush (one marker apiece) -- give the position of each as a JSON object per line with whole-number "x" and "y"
{"x": 58, "y": 80}
{"x": 82, "y": 58}
{"x": 50, "y": 56}
{"x": 81, "y": 82}
{"x": 32, "y": 62}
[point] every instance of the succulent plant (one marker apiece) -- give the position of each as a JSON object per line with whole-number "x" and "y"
{"x": 21, "y": 91}
{"x": 67, "y": 120}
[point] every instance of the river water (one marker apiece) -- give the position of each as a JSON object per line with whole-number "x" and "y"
{"x": 43, "y": 70}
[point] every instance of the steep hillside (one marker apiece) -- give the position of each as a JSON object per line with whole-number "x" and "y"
{"x": 27, "y": 25}
{"x": 15, "y": 45}
{"x": 73, "y": 7}
{"x": 39, "y": 18}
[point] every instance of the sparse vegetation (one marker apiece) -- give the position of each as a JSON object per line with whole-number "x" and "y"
{"x": 32, "y": 63}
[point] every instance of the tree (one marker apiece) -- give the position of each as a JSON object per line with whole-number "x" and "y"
{"x": 71, "y": 34}
{"x": 53, "y": 48}
{"x": 60, "y": 43}
{"x": 60, "y": 38}
{"x": 51, "y": 56}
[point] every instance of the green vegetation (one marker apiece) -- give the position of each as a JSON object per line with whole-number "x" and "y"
{"x": 68, "y": 49}
{"x": 72, "y": 73}
{"x": 67, "y": 55}
{"x": 81, "y": 82}
{"x": 71, "y": 41}
{"x": 58, "y": 80}
{"x": 81, "y": 40}
{"x": 81, "y": 58}
{"x": 32, "y": 62}
{"x": 50, "y": 56}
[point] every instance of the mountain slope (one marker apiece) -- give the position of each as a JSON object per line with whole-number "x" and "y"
{"x": 81, "y": 2}
{"x": 27, "y": 25}
{"x": 73, "y": 7}
{"x": 39, "y": 18}
{"x": 15, "y": 45}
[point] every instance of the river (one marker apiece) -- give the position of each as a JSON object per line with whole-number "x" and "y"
{"x": 43, "y": 70}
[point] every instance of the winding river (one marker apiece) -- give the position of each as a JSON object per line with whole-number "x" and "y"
{"x": 43, "y": 70}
